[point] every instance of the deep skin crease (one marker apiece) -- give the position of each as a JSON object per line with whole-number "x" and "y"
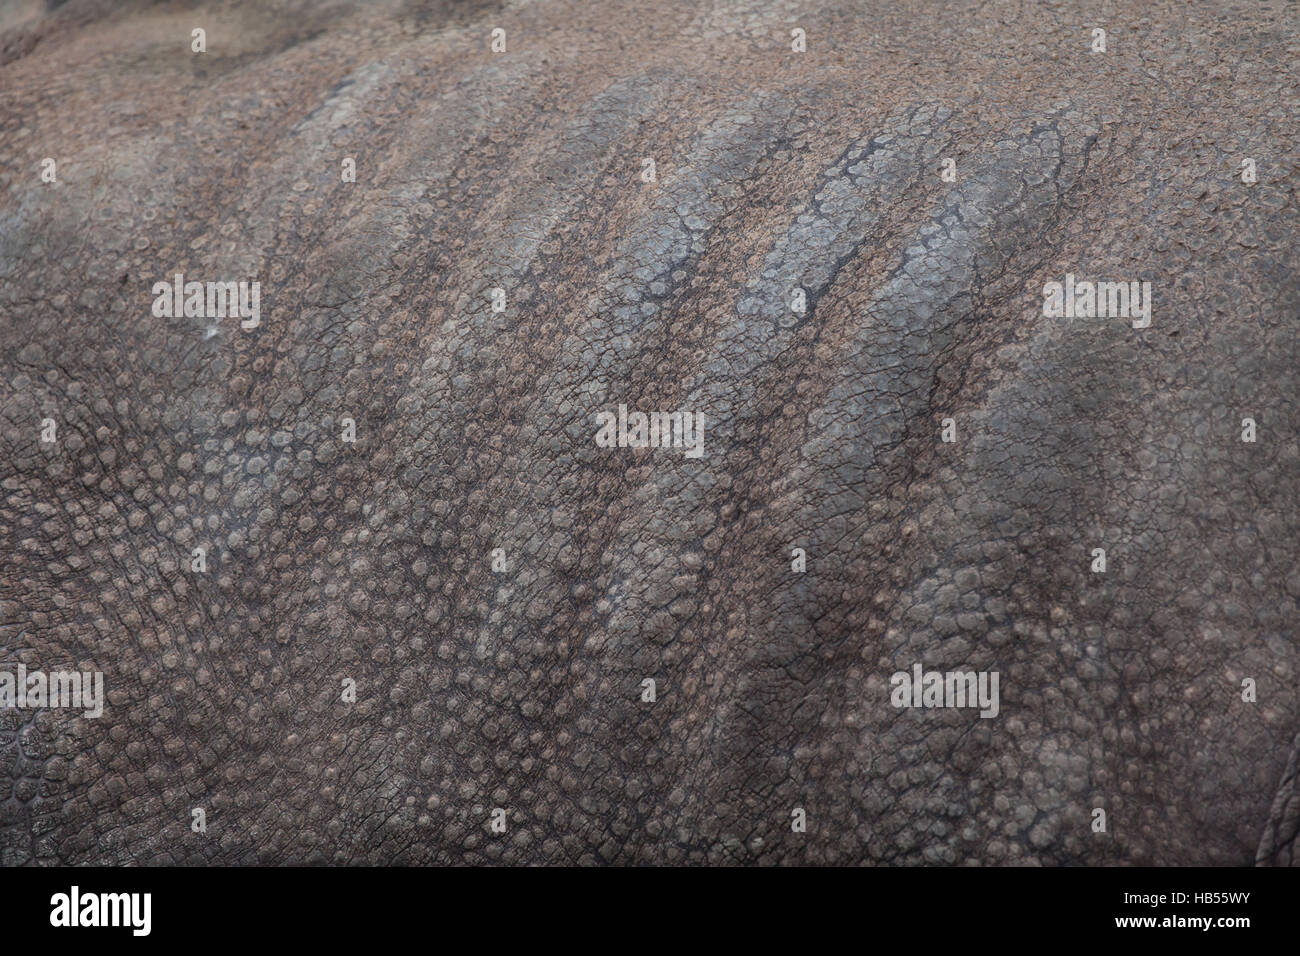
{"x": 522, "y": 689}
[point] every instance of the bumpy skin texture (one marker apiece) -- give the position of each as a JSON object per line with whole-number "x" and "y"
{"x": 522, "y": 690}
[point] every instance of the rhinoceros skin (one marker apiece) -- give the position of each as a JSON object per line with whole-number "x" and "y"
{"x": 457, "y": 612}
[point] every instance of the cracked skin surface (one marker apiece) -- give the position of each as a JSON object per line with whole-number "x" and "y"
{"x": 475, "y": 431}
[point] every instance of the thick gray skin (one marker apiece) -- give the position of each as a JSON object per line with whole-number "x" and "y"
{"x": 522, "y": 690}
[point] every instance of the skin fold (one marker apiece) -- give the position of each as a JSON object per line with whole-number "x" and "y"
{"x": 522, "y": 688}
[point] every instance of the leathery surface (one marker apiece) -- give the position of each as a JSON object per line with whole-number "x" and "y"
{"x": 522, "y": 689}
